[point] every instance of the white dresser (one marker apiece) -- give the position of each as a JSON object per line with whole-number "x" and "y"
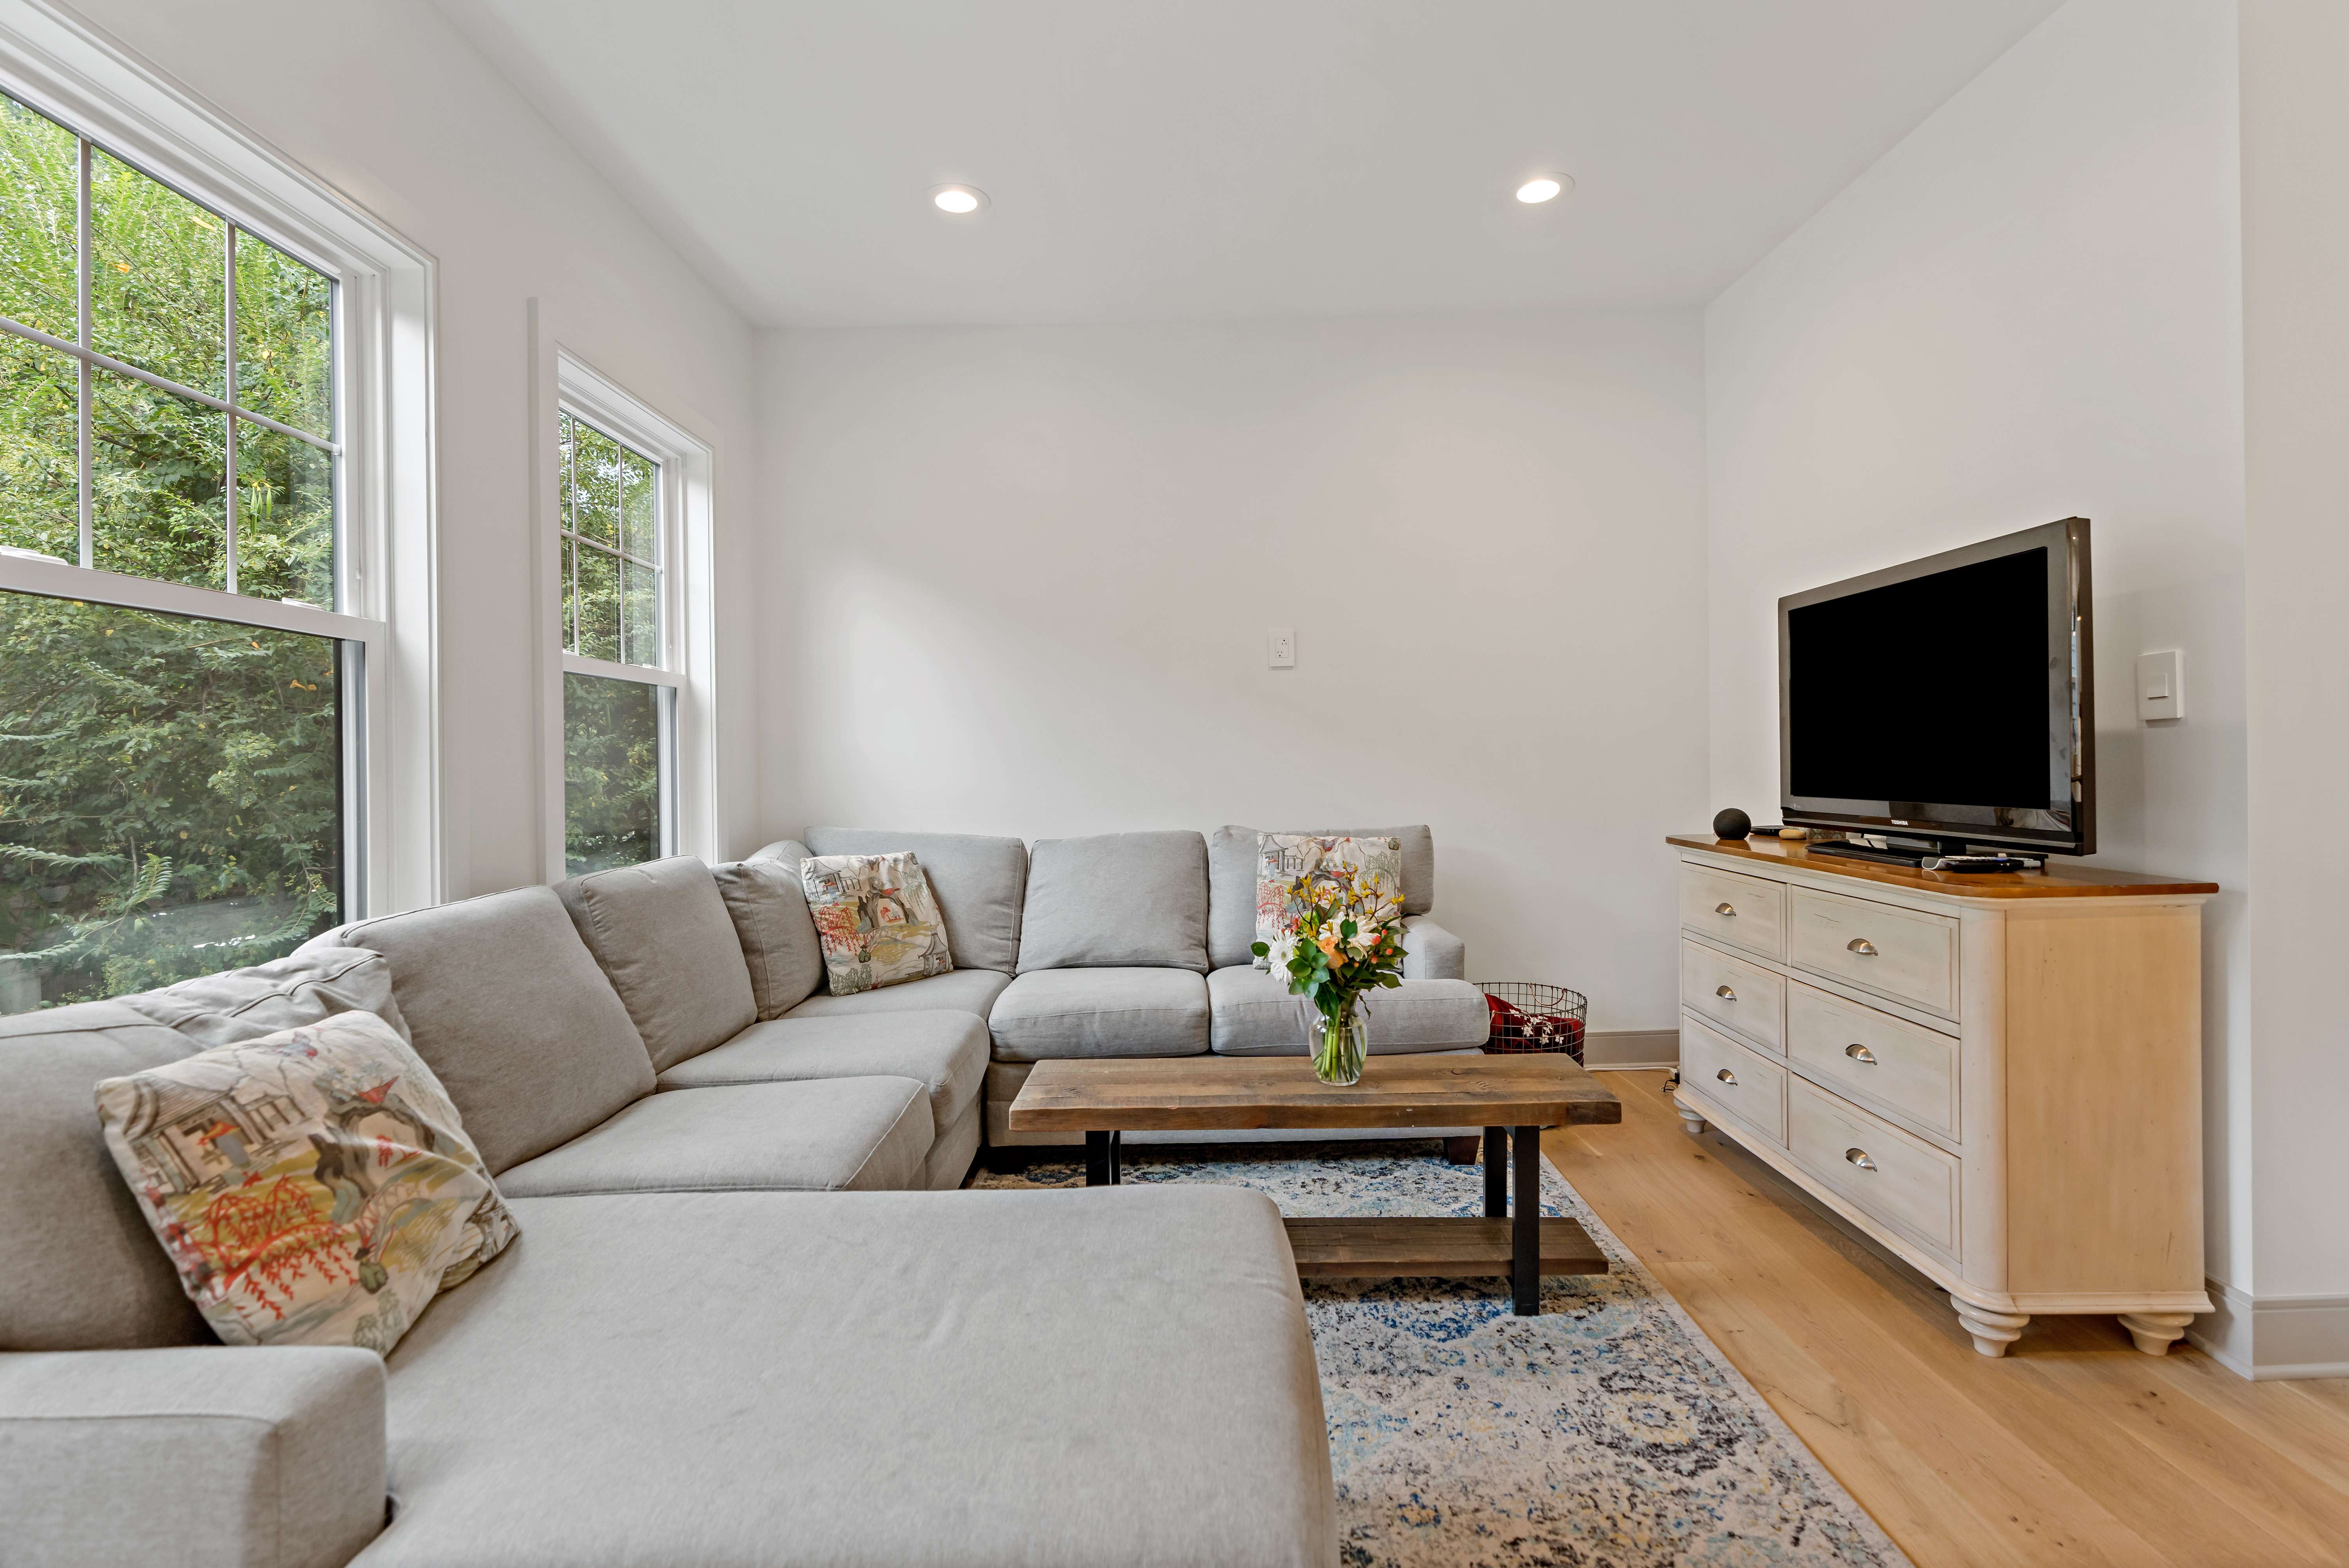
{"x": 1998, "y": 1078}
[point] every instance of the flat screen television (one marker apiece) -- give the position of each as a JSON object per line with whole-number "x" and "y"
{"x": 1948, "y": 700}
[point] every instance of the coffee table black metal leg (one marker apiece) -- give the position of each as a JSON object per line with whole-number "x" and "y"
{"x": 1496, "y": 1173}
{"x": 1099, "y": 1171}
{"x": 1525, "y": 1225}
{"x": 1116, "y": 1159}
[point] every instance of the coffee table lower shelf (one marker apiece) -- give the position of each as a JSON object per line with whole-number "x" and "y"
{"x": 1440, "y": 1248}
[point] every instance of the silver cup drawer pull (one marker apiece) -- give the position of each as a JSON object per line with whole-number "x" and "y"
{"x": 1862, "y": 946}
{"x": 1726, "y": 908}
{"x": 1861, "y": 1054}
{"x": 1728, "y": 1077}
{"x": 1859, "y": 1156}
{"x": 1723, "y": 993}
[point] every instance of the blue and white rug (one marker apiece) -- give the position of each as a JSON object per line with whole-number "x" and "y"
{"x": 1606, "y": 1433}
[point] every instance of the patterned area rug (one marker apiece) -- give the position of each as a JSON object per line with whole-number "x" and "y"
{"x": 1606, "y": 1433}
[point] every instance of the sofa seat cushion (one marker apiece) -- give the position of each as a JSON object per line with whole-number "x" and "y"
{"x": 946, "y": 1052}
{"x": 662, "y": 934}
{"x": 868, "y": 1380}
{"x": 1055, "y": 1013}
{"x": 978, "y": 881}
{"x": 828, "y": 1135}
{"x": 1114, "y": 900}
{"x": 1254, "y": 1016}
{"x": 962, "y": 991}
{"x": 508, "y": 1008}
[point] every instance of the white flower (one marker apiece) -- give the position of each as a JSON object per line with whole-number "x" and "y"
{"x": 1283, "y": 949}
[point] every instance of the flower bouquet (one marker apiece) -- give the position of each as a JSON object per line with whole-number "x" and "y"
{"x": 1344, "y": 944}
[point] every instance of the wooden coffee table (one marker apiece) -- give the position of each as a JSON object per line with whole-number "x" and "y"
{"x": 1511, "y": 1097}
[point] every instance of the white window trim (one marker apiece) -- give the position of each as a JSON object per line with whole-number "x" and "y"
{"x": 386, "y": 303}
{"x": 563, "y": 379}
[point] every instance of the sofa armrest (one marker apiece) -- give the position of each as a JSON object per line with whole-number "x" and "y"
{"x": 255, "y": 1457}
{"x": 1431, "y": 953}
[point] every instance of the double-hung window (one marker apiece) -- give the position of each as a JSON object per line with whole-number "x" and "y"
{"x": 189, "y": 656}
{"x": 629, "y": 697}
{"x": 619, "y": 697}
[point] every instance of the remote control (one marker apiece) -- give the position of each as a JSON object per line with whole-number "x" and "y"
{"x": 1977, "y": 863}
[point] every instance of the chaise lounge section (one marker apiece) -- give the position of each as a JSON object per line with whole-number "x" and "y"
{"x": 739, "y": 1326}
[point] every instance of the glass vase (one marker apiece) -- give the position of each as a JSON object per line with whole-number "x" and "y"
{"x": 1338, "y": 1042}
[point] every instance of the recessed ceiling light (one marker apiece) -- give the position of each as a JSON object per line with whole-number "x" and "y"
{"x": 959, "y": 199}
{"x": 1545, "y": 188}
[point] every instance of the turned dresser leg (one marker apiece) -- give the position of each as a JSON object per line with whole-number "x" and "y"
{"x": 1993, "y": 1330}
{"x": 2155, "y": 1332}
{"x": 1692, "y": 1123}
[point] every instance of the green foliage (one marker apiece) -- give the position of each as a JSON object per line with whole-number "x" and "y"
{"x": 610, "y": 512}
{"x": 611, "y": 772}
{"x": 159, "y": 462}
{"x": 169, "y": 786}
{"x": 169, "y": 794}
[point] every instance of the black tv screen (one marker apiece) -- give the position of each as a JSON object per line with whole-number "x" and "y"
{"x": 1945, "y": 699}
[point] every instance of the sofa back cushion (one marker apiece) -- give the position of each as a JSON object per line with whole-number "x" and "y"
{"x": 79, "y": 1270}
{"x": 1232, "y": 872}
{"x": 769, "y": 910}
{"x": 661, "y": 933}
{"x": 978, "y": 881}
{"x": 508, "y": 1008}
{"x": 241, "y": 1004}
{"x": 1116, "y": 900}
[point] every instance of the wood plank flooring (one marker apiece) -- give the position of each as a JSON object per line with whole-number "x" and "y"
{"x": 2073, "y": 1449}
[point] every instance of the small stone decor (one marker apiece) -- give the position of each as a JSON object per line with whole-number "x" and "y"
{"x": 1606, "y": 1433}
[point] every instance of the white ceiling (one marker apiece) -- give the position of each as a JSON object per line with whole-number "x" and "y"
{"x": 1156, "y": 160}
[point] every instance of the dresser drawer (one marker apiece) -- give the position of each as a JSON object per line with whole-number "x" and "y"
{"x": 1888, "y": 1174}
{"x": 1875, "y": 1057}
{"x": 1745, "y": 998}
{"x": 1745, "y": 1084}
{"x": 1742, "y": 912}
{"x": 1901, "y": 954}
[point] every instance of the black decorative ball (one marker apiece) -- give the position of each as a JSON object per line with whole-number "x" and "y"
{"x": 1732, "y": 823}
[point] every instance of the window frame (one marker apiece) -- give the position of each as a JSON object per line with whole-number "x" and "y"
{"x": 385, "y": 617}
{"x": 565, "y": 382}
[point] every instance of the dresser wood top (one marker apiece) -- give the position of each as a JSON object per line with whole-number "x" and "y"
{"x": 2056, "y": 881}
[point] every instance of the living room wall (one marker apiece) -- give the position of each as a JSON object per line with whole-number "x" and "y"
{"x": 391, "y": 104}
{"x": 1021, "y": 579}
{"x": 2030, "y": 309}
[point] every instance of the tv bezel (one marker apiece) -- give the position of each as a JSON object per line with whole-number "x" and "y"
{"x": 2072, "y": 707}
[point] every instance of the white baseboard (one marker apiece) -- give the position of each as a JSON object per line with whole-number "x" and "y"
{"x": 2267, "y": 1338}
{"x": 1632, "y": 1050}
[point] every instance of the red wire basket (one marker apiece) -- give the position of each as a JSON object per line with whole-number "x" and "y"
{"x": 1531, "y": 1017}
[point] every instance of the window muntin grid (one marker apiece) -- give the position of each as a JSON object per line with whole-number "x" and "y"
{"x": 84, "y": 248}
{"x": 609, "y": 511}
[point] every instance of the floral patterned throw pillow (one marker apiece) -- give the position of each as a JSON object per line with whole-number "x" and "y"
{"x": 875, "y": 918}
{"x": 312, "y": 1187}
{"x": 1375, "y": 865}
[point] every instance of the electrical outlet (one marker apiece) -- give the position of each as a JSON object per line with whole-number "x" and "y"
{"x": 1281, "y": 642}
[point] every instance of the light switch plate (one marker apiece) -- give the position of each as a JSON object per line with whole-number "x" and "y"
{"x": 2160, "y": 685}
{"x": 1280, "y": 642}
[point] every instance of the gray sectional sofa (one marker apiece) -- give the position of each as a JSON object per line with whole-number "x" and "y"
{"x": 1136, "y": 944}
{"x": 743, "y": 1323}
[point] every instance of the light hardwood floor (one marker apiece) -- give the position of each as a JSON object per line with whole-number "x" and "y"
{"x": 2074, "y": 1449}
